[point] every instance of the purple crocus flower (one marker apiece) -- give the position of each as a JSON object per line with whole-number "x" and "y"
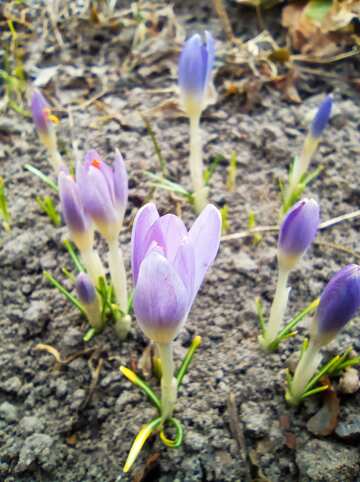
{"x": 40, "y": 110}
{"x": 169, "y": 264}
{"x": 339, "y": 303}
{"x": 85, "y": 289}
{"x": 299, "y": 229}
{"x": 322, "y": 117}
{"x": 104, "y": 192}
{"x": 195, "y": 65}
{"x": 75, "y": 217}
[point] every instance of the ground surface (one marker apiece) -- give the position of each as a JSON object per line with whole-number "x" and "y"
{"x": 46, "y": 433}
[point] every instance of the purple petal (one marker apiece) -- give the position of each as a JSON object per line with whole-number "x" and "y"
{"x": 192, "y": 69}
{"x": 144, "y": 219}
{"x": 299, "y": 227}
{"x": 39, "y": 107}
{"x": 160, "y": 299}
{"x": 184, "y": 264}
{"x": 322, "y": 117}
{"x": 71, "y": 204}
{"x": 85, "y": 289}
{"x": 120, "y": 181}
{"x": 173, "y": 232}
{"x": 205, "y": 239}
{"x": 339, "y": 301}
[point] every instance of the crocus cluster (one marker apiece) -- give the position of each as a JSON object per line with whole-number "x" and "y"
{"x": 195, "y": 66}
{"x": 96, "y": 200}
{"x": 297, "y": 232}
{"x": 339, "y": 303}
{"x": 169, "y": 264}
{"x": 44, "y": 122}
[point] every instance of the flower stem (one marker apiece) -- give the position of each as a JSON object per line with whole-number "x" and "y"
{"x": 118, "y": 274}
{"x": 93, "y": 265}
{"x": 196, "y": 164}
{"x": 278, "y": 308}
{"x": 305, "y": 369}
{"x": 168, "y": 381}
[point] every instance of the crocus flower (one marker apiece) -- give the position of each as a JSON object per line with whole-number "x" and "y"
{"x": 89, "y": 299}
{"x": 339, "y": 303}
{"x": 297, "y": 231}
{"x": 322, "y": 117}
{"x": 169, "y": 264}
{"x": 40, "y": 110}
{"x": 104, "y": 192}
{"x": 76, "y": 219}
{"x": 195, "y": 64}
{"x": 44, "y": 120}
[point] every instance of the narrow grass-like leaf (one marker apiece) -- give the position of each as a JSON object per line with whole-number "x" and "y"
{"x": 46, "y": 179}
{"x": 65, "y": 292}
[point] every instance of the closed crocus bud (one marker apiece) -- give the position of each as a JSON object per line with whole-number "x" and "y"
{"x": 40, "y": 110}
{"x": 87, "y": 295}
{"x": 297, "y": 232}
{"x": 104, "y": 192}
{"x": 85, "y": 289}
{"x": 169, "y": 264}
{"x": 321, "y": 118}
{"x": 76, "y": 219}
{"x": 195, "y": 64}
{"x": 339, "y": 303}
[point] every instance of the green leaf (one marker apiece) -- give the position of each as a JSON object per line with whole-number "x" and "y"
{"x": 318, "y": 9}
{"x": 187, "y": 359}
{"x": 46, "y": 179}
{"x": 47, "y": 205}
{"x": 65, "y": 292}
{"x": 73, "y": 255}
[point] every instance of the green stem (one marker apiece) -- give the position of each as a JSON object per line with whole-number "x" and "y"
{"x": 168, "y": 381}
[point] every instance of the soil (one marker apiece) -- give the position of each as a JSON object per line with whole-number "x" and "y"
{"x": 47, "y": 432}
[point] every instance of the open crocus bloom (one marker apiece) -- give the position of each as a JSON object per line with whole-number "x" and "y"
{"x": 104, "y": 192}
{"x": 169, "y": 264}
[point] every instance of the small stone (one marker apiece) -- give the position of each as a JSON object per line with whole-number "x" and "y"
{"x": 78, "y": 398}
{"x": 72, "y": 337}
{"x": 243, "y": 262}
{"x": 31, "y": 424}
{"x": 349, "y": 381}
{"x": 8, "y": 412}
{"x": 39, "y": 448}
{"x": 349, "y": 429}
{"x": 325, "y": 461}
{"x": 36, "y": 316}
{"x": 255, "y": 418}
{"x": 195, "y": 441}
{"x": 61, "y": 388}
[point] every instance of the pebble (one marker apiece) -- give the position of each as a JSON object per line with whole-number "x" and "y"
{"x": 37, "y": 447}
{"x": 8, "y": 412}
{"x": 31, "y": 424}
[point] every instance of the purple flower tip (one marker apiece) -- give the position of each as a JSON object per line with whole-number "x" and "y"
{"x": 85, "y": 289}
{"x": 339, "y": 301}
{"x": 195, "y": 65}
{"x": 299, "y": 228}
{"x": 322, "y": 117}
{"x": 40, "y": 110}
{"x": 71, "y": 205}
{"x": 169, "y": 264}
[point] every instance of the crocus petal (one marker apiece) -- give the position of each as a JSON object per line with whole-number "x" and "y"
{"x": 39, "y": 105}
{"x": 210, "y": 47}
{"x": 160, "y": 299}
{"x": 71, "y": 204}
{"x": 144, "y": 219}
{"x": 339, "y": 301}
{"x": 173, "y": 232}
{"x": 120, "y": 181}
{"x": 85, "y": 289}
{"x": 184, "y": 264}
{"x": 299, "y": 228}
{"x": 192, "y": 70}
{"x": 205, "y": 239}
{"x": 322, "y": 117}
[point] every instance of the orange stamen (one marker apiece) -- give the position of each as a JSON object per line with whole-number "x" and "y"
{"x": 96, "y": 163}
{"x": 51, "y": 117}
